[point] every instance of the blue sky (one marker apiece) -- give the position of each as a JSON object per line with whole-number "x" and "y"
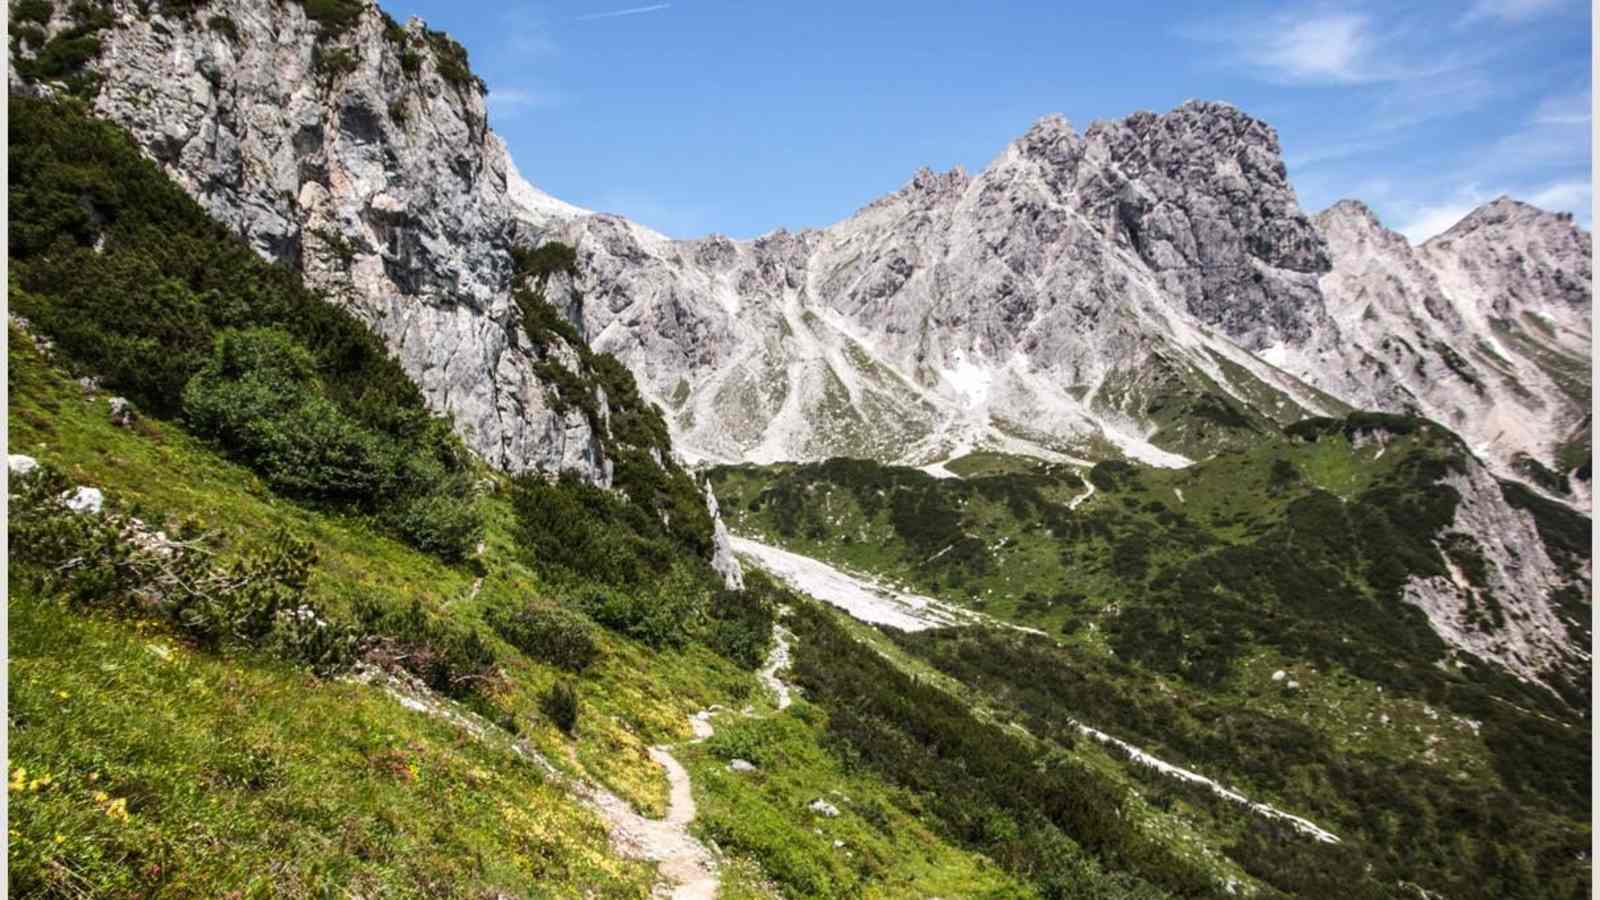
{"x": 700, "y": 116}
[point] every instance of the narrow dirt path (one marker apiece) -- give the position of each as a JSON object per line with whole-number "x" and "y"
{"x": 1077, "y": 501}
{"x": 685, "y": 863}
{"x": 688, "y": 868}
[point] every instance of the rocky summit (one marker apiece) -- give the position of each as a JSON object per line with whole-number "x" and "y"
{"x": 1146, "y": 289}
{"x": 1149, "y": 288}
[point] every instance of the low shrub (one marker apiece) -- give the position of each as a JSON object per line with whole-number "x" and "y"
{"x": 136, "y": 284}
{"x": 560, "y": 704}
{"x": 448, "y": 658}
{"x": 110, "y": 561}
{"x": 741, "y": 621}
{"x": 548, "y": 633}
{"x": 259, "y": 397}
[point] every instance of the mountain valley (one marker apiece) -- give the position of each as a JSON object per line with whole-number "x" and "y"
{"x": 1099, "y": 524}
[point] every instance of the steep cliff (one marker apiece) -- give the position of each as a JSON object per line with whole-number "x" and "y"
{"x": 1485, "y": 328}
{"x": 357, "y": 151}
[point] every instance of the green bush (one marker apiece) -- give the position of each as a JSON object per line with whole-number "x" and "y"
{"x": 259, "y": 398}
{"x": 448, "y": 658}
{"x": 668, "y": 614}
{"x": 560, "y": 704}
{"x": 93, "y": 560}
{"x": 448, "y": 525}
{"x": 134, "y": 283}
{"x": 36, "y": 11}
{"x": 741, "y": 621}
{"x": 224, "y": 26}
{"x": 335, "y": 16}
{"x": 548, "y": 633}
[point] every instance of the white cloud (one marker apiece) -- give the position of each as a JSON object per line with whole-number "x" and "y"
{"x": 637, "y": 10}
{"x": 1336, "y": 47}
{"x": 1565, "y": 196}
{"x": 1570, "y": 109}
{"x": 1332, "y": 47}
{"x": 1510, "y": 10}
{"x": 1430, "y": 221}
{"x": 509, "y": 102}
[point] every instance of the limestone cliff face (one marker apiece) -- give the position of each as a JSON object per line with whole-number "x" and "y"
{"x": 1149, "y": 287}
{"x": 1084, "y": 294}
{"x": 364, "y": 158}
{"x": 1485, "y": 328}
{"x": 357, "y": 151}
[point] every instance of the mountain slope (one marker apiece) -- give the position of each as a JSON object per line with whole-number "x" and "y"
{"x": 1030, "y": 306}
{"x": 356, "y": 151}
{"x": 1484, "y": 328}
{"x": 1361, "y": 626}
{"x": 1147, "y": 289}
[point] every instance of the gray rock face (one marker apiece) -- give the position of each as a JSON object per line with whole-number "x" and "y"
{"x": 84, "y": 500}
{"x": 385, "y": 187}
{"x": 1485, "y": 328}
{"x": 1057, "y": 302}
{"x": 1099, "y": 294}
{"x": 1526, "y": 633}
{"x": 365, "y": 160}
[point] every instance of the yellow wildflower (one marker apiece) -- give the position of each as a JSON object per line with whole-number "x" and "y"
{"x": 63, "y": 694}
{"x": 19, "y": 780}
{"x": 60, "y": 839}
{"x": 118, "y": 809}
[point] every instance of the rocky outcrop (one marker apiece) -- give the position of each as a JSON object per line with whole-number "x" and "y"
{"x": 357, "y": 150}
{"x": 1485, "y": 328}
{"x": 1498, "y": 601}
{"x": 1148, "y": 288}
{"x": 362, "y": 156}
{"x": 1079, "y": 296}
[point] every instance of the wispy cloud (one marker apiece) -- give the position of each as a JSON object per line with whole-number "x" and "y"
{"x": 1431, "y": 220}
{"x": 1568, "y": 109}
{"x": 1336, "y": 46}
{"x": 1565, "y": 196}
{"x": 1509, "y": 10}
{"x": 634, "y": 11}
{"x": 1435, "y": 219}
{"x": 510, "y": 102}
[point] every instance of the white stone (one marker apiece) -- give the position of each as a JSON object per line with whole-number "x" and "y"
{"x": 19, "y": 464}
{"x": 84, "y": 500}
{"x": 741, "y": 765}
{"x": 824, "y": 808}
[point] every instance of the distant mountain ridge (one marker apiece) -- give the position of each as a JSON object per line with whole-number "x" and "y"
{"x": 1147, "y": 289}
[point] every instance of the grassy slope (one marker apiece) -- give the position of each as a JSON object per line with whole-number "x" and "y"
{"x": 230, "y": 764}
{"x": 1320, "y": 749}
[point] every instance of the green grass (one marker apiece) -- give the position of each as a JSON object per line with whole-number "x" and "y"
{"x": 330, "y": 803}
{"x": 241, "y": 774}
{"x": 1175, "y": 595}
{"x": 883, "y": 849}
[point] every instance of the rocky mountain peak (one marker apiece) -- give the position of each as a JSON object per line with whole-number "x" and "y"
{"x": 1505, "y": 211}
{"x": 1350, "y": 222}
